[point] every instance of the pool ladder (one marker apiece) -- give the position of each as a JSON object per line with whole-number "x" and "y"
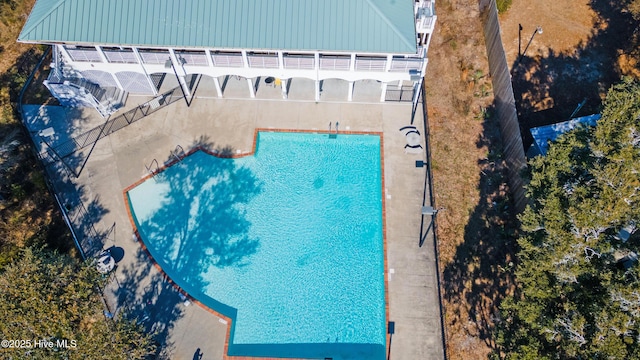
{"x": 333, "y": 136}
{"x": 150, "y": 168}
{"x": 178, "y": 153}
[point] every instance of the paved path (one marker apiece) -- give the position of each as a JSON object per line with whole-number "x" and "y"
{"x": 119, "y": 161}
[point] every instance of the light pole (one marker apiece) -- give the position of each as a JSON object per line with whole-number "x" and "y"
{"x": 519, "y": 38}
{"x": 429, "y": 211}
{"x": 538, "y": 30}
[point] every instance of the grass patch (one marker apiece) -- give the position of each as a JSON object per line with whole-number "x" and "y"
{"x": 503, "y": 5}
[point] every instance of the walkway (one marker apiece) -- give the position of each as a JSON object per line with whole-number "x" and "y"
{"x": 119, "y": 160}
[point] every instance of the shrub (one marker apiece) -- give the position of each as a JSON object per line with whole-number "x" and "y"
{"x": 503, "y": 5}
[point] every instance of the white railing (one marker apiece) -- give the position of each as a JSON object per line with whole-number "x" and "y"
{"x": 299, "y": 62}
{"x": 423, "y": 4}
{"x": 227, "y": 60}
{"x": 425, "y": 24}
{"x": 193, "y": 58}
{"x": 84, "y": 55}
{"x": 123, "y": 57}
{"x": 262, "y": 60}
{"x": 368, "y": 64}
{"x": 154, "y": 57}
{"x": 335, "y": 63}
{"x": 404, "y": 65}
{"x": 268, "y": 62}
{"x": 425, "y": 19}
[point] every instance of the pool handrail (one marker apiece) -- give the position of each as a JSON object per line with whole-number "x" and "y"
{"x": 150, "y": 168}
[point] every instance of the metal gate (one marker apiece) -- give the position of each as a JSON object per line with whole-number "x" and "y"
{"x": 404, "y": 94}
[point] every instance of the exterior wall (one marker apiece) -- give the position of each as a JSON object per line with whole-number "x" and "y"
{"x": 283, "y": 65}
{"x": 130, "y": 67}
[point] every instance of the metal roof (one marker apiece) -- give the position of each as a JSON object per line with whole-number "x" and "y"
{"x": 369, "y": 26}
{"x": 542, "y": 135}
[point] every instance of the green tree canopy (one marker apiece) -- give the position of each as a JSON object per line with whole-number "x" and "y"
{"x": 49, "y": 296}
{"x": 578, "y": 295}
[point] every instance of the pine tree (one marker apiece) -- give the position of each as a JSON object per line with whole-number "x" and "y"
{"x": 50, "y": 297}
{"x": 578, "y": 287}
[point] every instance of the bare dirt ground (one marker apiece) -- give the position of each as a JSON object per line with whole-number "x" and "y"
{"x": 12, "y": 17}
{"x": 583, "y": 49}
{"x": 27, "y": 213}
{"x": 565, "y": 25}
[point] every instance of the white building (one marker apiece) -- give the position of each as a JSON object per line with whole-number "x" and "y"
{"x": 103, "y": 50}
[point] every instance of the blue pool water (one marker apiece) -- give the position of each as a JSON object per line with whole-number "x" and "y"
{"x": 287, "y": 242}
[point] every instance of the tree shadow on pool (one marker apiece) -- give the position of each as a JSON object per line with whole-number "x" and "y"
{"x": 201, "y": 221}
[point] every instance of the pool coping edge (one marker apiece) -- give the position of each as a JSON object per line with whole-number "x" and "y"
{"x": 219, "y": 154}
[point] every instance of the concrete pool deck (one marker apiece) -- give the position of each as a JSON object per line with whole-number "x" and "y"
{"x": 122, "y": 159}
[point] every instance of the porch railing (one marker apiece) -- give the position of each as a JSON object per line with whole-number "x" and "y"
{"x": 370, "y": 64}
{"x": 268, "y": 62}
{"x": 227, "y": 60}
{"x": 84, "y": 55}
{"x": 335, "y": 63}
{"x": 299, "y": 62}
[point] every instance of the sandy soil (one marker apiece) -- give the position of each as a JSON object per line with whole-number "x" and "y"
{"x": 476, "y": 231}
{"x": 565, "y": 25}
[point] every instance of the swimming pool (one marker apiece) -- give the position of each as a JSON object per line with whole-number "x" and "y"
{"x": 287, "y": 242}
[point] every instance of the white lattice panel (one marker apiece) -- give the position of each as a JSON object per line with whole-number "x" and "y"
{"x": 134, "y": 83}
{"x": 101, "y": 78}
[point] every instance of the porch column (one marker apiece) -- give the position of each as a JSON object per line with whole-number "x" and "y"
{"x": 252, "y": 91}
{"x": 388, "y": 64}
{"x": 103, "y": 57}
{"x": 399, "y": 84}
{"x": 316, "y": 58}
{"x": 352, "y": 63}
{"x": 216, "y": 82}
{"x": 285, "y": 95}
{"x": 425, "y": 61}
{"x": 426, "y": 37}
{"x": 383, "y": 95}
{"x": 144, "y": 70}
{"x": 245, "y": 60}
{"x": 209, "y": 59}
{"x": 280, "y": 60}
{"x": 175, "y": 64}
{"x": 350, "y": 93}
{"x": 416, "y": 91}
